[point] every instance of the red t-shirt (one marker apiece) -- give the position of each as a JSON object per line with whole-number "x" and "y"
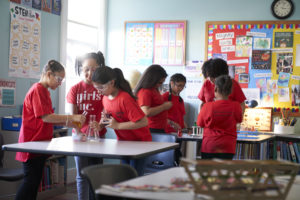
{"x": 124, "y": 109}
{"x": 207, "y": 92}
{"x": 175, "y": 113}
{"x": 37, "y": 103}
{"x": 152, "y": 98}
{"x": 86, "y": 98}
{"x": 219, "y": 119}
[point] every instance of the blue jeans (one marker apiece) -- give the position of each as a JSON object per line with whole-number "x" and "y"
{"x": 137, "y": 164}
{"x": 83, "y": 190}
{"x": 33, "y": 172}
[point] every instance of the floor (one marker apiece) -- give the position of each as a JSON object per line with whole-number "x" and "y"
{"x": 71, "y": 193}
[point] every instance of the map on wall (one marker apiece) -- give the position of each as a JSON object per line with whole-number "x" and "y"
{"x": 25, "y": 42}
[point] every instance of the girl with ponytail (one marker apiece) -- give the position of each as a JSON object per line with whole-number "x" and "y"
{"x": 126, "y": 117}
{"x": 83, "y": 97}
{"x": 219, "y": 119}
{"x": 177, "y": 111}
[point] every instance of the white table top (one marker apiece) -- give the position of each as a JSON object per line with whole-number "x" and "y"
{"x": 164, "y": 178}
{"x": 106, "y": 148}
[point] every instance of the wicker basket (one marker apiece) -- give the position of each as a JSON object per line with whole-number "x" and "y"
{"x": 241, "y": 179}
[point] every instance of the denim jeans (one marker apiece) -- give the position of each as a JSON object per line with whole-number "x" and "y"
{"x": 137, "y": 164}
{"x": 33, "y": 171}
{"x": 83, "y": 190}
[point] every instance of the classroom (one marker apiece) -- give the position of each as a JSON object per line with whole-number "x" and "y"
{"x": 262, "y": 54}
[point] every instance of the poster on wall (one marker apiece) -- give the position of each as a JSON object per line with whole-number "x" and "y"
{"x": 261, "y": 59}
{"x": 25, "y": 42}
{"x": 156, "y": 42}
{"x": 7, "y": 92}
{"x": 139, "y": 43}
{"x": 169, "y": 45}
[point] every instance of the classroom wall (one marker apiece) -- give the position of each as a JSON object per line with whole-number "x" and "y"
{"x": 50, "y": 49}
{"x": 196, "y": 12}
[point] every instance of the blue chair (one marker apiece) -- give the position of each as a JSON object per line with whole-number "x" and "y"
{"x": 163, "y": 160}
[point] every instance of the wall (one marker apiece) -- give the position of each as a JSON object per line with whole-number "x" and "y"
{"x": 50, "y": 49}
{"x": 196, "y": 12}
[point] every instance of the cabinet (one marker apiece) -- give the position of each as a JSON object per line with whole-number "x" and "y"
{"x": 55, "y": 172}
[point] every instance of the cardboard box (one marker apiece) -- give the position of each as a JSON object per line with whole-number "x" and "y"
{"x": 11, "y": 123}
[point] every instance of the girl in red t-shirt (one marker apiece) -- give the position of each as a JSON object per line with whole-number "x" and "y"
{"x": 177, "y": 111}
{"x": 83, "y": 97}
{"x": 37, "y": 125}
{"x": 219, "y": 119}
{"x": 126, "y": 117}
{"x": 211, "y": 69}
{"x": 150, "y": 99}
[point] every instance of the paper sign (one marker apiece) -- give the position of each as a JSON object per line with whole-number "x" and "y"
{"x": 283, "y": 94}
{"x": 256, "y": 34}
{"x": 228, "y": 35}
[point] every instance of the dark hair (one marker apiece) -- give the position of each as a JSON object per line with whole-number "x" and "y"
{"x": 176, "y": 78}
{"x": 53, "y": 66}
{"x": 223, "y": 84}
{"x": 98, "y": 57}
{"x": 103, "y": 75}
{"x": 150, "y": 77}
{"x": 214, "y": 67}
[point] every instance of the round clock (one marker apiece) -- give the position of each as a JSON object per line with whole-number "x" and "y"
{"x": 282, "y": 9}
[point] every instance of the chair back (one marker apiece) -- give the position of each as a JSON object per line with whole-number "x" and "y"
{"x": 163, "y": 160}
{"x": 8, "y": 174}
{"x": 98, "y": 175}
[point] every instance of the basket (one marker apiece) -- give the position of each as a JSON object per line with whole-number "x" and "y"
{"x": 241, "y": 179}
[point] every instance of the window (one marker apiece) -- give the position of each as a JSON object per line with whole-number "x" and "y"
{"x": 84, "y": 33}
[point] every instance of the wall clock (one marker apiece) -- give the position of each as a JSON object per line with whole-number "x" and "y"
{"x": 282, "y": 9}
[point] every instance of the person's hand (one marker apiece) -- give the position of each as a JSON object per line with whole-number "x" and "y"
{"x": 95, "y": 125}
{"x": 79, "y": 118}
{"x": 113, "y": 124}
{"x": 174, "y": 125}
{"x": 167, "y": 105}
{"x": 77, "y": 121}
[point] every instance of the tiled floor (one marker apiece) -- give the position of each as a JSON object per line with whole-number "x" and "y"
{"x": 71, "y": 193}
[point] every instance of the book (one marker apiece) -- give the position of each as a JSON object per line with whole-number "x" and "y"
{"x": 296, "y": 151}
{"x": 293, "y": 155}
{"x": 278, "y": 150}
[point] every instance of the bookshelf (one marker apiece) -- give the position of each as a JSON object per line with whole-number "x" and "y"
{"x": 270, "y": 147}
{"x": 260, "y": 146}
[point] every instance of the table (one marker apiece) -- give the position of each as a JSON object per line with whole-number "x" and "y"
{"x": 106, "y": 148}
{"x": 164, "y": 178}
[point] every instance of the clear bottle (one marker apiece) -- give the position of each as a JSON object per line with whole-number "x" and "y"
{"x": 92, "y": 134}
{"x": 90, "y": 130}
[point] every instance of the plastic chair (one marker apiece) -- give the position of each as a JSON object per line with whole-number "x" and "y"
{"x": 163, "y": 160}
{"x": 8, "y": 174}
{"x": 98, "y": 175}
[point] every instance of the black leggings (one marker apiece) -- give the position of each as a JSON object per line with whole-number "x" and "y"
{"x": 33, "y": 171}
{"x": 225, "y": 156}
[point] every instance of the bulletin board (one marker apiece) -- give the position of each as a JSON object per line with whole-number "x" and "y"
{"x": 260, "y": 54}
{"x": 159, "y": 42}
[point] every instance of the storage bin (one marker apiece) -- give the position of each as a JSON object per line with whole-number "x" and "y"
{"x": 11, "y": 123}
{"x": 279, "y": 129}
